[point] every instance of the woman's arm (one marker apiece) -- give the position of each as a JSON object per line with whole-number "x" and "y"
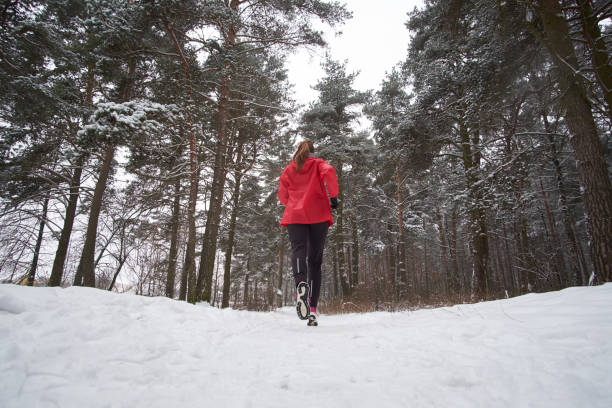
{"x": 328, "y": 175}
{"x": 283, "y": 192}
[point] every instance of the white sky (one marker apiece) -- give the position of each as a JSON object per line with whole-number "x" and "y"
{"x": 372, "y": 42}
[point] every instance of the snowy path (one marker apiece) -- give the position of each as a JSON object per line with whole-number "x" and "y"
{"x": 81, "y": 347}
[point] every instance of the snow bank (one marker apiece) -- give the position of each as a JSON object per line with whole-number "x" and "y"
{"x": 81, "y": 347}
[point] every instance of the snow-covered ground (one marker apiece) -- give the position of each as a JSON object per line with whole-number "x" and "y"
{"x": 87, "y": 348}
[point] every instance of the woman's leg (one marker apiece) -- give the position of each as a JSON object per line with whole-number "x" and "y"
{"x": 316, "y": 244}
{"x": 298, "y": 235}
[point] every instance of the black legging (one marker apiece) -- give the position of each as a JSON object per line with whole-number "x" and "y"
{"x": 308, "y": 241}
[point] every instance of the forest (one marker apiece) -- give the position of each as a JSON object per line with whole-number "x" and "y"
{"x": 141, "y": 144}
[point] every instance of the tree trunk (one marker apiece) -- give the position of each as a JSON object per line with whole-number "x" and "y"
{"x": 215, "y": 287}
{"x": 85, "y": 274}
{"x": 39, "y": 239}
{"x": 574, "y": 275}
{"x": 477, "y": 214}
{"x": 516, "y": 286}
{"x": 189, "y": 267}
{"x": 209, "y": 246}
{"x": 443, "y": 246}
{"x": 454, "y": 279}
{"x": 246, "y": 290}
{"x": 62, "y": 247}
{"x": 116, "y": 274}
{"x": 232, "y": 229}
{"x": 355, "y": 253}
{"x": 402, "y": 275}
{"x": 176, "y": 208}
{"x": 342, "y": 271}
{"x": 556, "y": 247}
{"x": 335, "y": 272}
{"x": 592, "y": 168}
{"x": 183, "y": 287}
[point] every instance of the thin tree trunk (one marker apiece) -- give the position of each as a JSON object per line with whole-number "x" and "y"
{"x": 342, "y": 270}
{"x": 176, "y": 208}
{"x": 335, "y": 272}
{"x": 443, "y": 246}
{"x": 559, "y": 262}
{"x": 116, "y": 274}
{"x": 215, "y": 287}
{"x": 355, "y": 252}
{"x": 246, "y": 290}
{"x": 516, "y": 287}
{"x": 183, "y": 286}
{"x": 255, "y": 300}
{"x": 428, "y": 279}
{"x": 39, "y": 239}
{"x": 455, "y": 279}
{"x": 122, "y": 257}
{"x": 402, "y": 275}
{"x": 189, "y": 267}
{"x": 232, "y": 229}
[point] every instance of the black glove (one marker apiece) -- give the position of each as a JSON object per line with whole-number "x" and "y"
{"x": 333, "y": 202}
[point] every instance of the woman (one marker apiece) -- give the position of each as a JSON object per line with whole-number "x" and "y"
{"x": 307, "y": 217}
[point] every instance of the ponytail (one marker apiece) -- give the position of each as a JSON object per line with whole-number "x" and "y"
{"x": 304, "y": 149}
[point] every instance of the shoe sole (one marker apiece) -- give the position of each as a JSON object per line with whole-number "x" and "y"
{"x": 302, "y": 307}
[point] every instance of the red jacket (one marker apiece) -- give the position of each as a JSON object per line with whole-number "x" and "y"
{"x": 303, "y": 193}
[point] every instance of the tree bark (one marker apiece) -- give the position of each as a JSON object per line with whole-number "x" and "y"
{"x": 335, "y": 272}
{"x": 39, "y": 239}
{"x": 455, "y": 279}
{"x": 443, "y": 246}
{"x": 189, "y": 267}
{"x": 402, "y": 275}
{"x": 174, "y": 228}
{"x": 215, "y": 287}
{"x": 355, "y": 253}
{"x": 232, "y": 229}
{"x": 342, "y": 271}
{"x": 556, "y": 247}
{"x": 246, "y": 290}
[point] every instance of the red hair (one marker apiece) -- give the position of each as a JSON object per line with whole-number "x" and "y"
{"x": 303, "y": 151}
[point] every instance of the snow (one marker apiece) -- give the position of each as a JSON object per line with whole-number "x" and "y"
{"x": 81, "y": 347}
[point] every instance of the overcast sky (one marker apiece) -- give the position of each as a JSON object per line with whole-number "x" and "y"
{"x": 372, "y": 42}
